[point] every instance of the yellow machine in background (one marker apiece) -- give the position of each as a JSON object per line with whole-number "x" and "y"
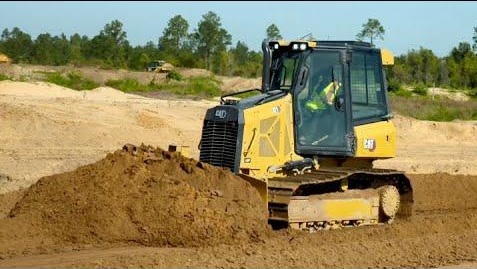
{"x": 308, "y": 139}
{"x": 4, "y": 59}
{"x": 159, "y": 67}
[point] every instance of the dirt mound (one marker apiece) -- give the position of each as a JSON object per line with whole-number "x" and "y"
{"x": 441, "y": 232}
{"x": 141, "y": 195}
{"x": 235, "y": 84}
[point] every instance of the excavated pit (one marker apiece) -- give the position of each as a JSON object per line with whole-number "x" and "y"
{"x": 140, "y": 195}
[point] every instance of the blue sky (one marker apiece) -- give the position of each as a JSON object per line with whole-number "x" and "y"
{"x": 435, "y": 25}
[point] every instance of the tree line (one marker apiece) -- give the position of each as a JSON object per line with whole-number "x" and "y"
{"x": 209, "y": 46}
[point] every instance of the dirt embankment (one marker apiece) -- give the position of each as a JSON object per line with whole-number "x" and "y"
{"x": 141, "y": 195}
{"x": 32, "y": 73}
{"x": 47, "y": 129}
{"x": 441, "y": 232}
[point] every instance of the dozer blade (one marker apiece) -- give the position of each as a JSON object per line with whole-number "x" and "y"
{"x": 260, "y": 185}
{"x": 337, "y": 198}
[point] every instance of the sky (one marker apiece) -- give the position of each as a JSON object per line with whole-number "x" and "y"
{"x": 438, "y": 26}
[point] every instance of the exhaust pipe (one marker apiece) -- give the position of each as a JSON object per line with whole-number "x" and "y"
{"x": 266, "y": 66}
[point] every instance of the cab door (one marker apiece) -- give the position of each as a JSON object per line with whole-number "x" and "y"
{"x": 322, "y": 125}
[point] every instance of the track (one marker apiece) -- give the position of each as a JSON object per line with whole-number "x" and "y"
{"x": 288, "y": 195}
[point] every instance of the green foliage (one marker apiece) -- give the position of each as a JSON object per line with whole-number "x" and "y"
{"x": 402, "y": 92}
{"x": 457, "y": 71}
{"x": 174, "y": 35}
{"x": 435, "y": 109}
{"x": 420, "y": 89}
{"x": 371, "y": 29}
{"x": 111, "y": 45}
{"x": 129, "y": 85}
{"x": 474, "y": 38}
{"x": 51, "y": 50}
{"x": 174, "y": 75}
{"x": 72, "y": 80}
{"x": 394, "y": 85}
{"x": 273, "y": 32}
{"x": 206, "y": 86}
{"x": 195, "y": 86}
{"x": 207, "y": 47}
{"x": 4, "y": 77}
{"x": 210, "y": 38}
{"x": 17, "y": 45}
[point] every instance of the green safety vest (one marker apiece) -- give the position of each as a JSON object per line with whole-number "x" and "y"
{"x": 324, "y": 99}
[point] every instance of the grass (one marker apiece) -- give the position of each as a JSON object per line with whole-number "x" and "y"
{"x": 195, "y": 86}
{"x": 4, "y": 77}
{"x": 72, "y": 80}
{"x": 420, "y": 89}
{"x": 174, "y": 75}
{"x": 434, "y": 109}
{"x": 129, "y": 85}
{"x": 201, "y": 86}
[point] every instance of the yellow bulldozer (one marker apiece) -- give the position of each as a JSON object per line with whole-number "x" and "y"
{"x": 308, "y": 138}
{"x": 4, "y": 59}
{"x": 159, "y": 67}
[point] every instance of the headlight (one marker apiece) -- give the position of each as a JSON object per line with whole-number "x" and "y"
{"x": 295, "y": 47}
{"x": 302, "y": 46}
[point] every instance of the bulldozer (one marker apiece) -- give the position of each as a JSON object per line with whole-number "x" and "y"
{"x": 4, "y": 59}
{"x": 159, "y": 67}
{"x": 308, "y": 138}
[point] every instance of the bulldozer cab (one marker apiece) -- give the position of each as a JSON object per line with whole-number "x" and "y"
{"x": 152, "y": 66}
{"x": 335, "y": 86}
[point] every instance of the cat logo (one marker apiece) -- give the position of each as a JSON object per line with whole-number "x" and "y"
{"x": 220, "y": 113}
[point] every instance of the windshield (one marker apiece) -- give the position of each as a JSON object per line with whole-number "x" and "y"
{"x": 320, "y": 118}
{"x": 283, "y": 69}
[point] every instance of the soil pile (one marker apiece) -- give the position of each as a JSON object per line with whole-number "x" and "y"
{"x": 140, "y": 195}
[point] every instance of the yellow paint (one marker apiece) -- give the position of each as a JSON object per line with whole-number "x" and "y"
{"x": 268, "y": 138}
{"x": 383, "y": 134}
{"x": 348, "y": 209}
{"x": 303, "y": 210}
{"x": 4, "y": 59}
{"x": 387, "y": 57}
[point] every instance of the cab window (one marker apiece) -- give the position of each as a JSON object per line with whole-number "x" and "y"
{"x": 367, "y": 91}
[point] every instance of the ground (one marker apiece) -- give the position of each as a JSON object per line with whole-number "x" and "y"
{"x": 48, "y": 129}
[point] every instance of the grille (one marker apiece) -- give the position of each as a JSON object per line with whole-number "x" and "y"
{"x": 219, "y": 143}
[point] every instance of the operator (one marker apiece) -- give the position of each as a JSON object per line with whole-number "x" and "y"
{"x": 322, "y": 99}
{"x": 318, "y": 121}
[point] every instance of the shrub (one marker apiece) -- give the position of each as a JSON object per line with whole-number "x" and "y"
{"x": 437, "y": 109}
{"x": 4, "y": 77}
{"x": 420, "y": 89}
{"x": 195, "y": 86}
{"x": 394, "y": 86}
{"x": 174, "y": 75}
{"x": 207, "y": 86}
{"x": 72, "y": 80}
{"x": 402, "y": 92}
{"x": 129, "y": 85}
